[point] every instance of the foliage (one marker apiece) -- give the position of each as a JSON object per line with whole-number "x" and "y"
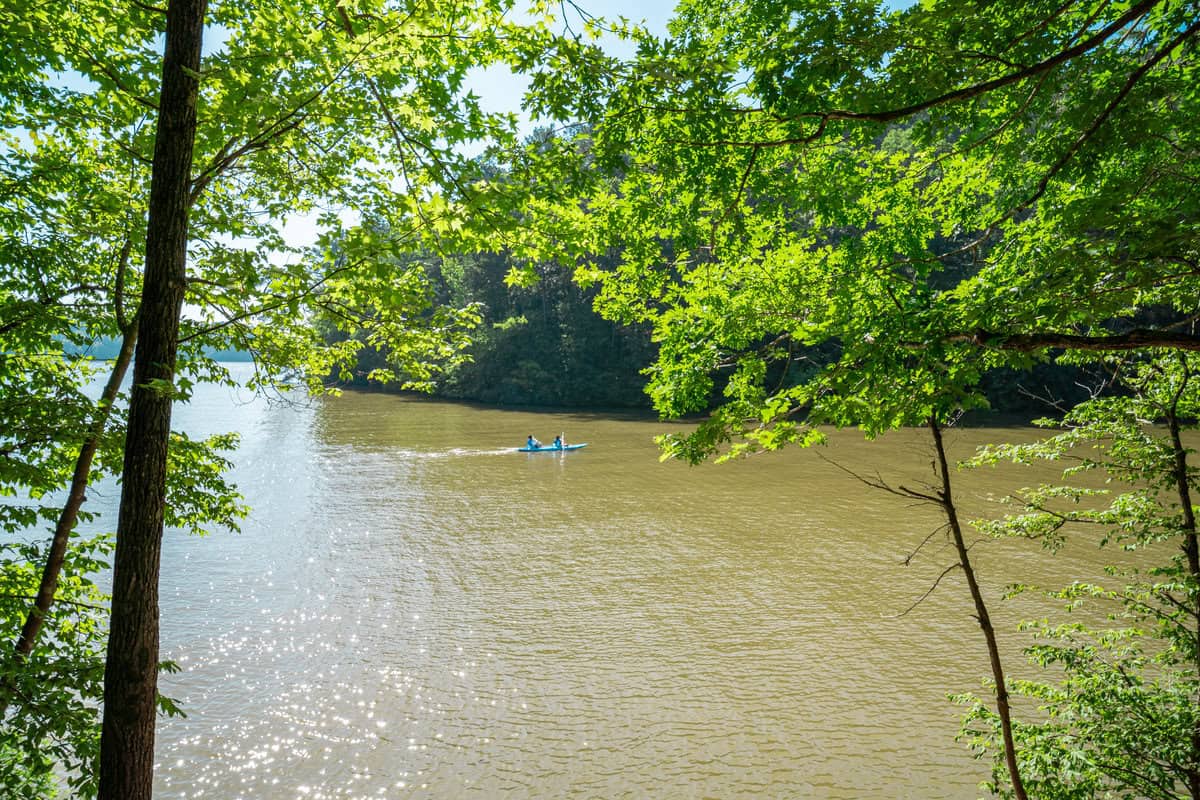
{"x": 544, "y": 344}
{"x": 926, "y": 194}
{"x": 1122, "y": 719}
{"x": 53, "y": 721}
{"x": 536, "y": 345}
{"x": 342, "y": 114}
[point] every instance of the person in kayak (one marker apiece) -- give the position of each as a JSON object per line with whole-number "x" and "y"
{"x": 532, "y": 442}
{"x": 558, "y": 442}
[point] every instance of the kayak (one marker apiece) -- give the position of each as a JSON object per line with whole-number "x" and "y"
{"x": 550, "y": 448}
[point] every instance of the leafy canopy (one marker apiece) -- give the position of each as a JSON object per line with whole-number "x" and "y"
{"x": 839, "y": 213}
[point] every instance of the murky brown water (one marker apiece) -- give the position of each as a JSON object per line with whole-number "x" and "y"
{"x": 415, "y": 610}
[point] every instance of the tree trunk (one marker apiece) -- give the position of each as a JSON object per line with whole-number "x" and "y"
{"x": 1191, "y": 550}
{"x": 981, "y": 612}
{"x": 131, "y": 671}
{"x": 76, "y": 495}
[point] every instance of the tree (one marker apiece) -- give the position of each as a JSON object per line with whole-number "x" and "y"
{"x": 540, "y": 345}
{"x": 131, "y": 670}
{"x": 842, "y": 214}
{"x": 354, "y": 108}
{"x": 68, "y": 250}
{"x": 1120, "y": 712}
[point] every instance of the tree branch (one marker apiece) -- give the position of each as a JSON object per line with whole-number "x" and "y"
{"x": 965, "y": 93}
{"x": 1134, "y": 77}
{"x": 1130, "y": 340}
{"x": 922, "y": 598}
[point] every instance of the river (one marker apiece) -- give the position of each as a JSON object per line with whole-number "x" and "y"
{"x": 413, "y": 609}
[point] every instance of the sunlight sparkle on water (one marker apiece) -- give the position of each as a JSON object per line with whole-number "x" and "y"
{"x": 467, "y": 648}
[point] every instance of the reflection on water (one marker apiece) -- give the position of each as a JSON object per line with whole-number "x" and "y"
{"x": 415, "y": 610}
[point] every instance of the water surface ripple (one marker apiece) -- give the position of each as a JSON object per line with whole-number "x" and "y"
{"x": 415, "y": 610}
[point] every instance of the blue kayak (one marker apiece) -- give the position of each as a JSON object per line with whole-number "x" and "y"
{"x": 550, "y": 448}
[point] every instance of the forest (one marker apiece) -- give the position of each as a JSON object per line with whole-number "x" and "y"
{"x": 545, "y": 344}
{"x": 786, "y": 216}
{"x": 538, "y": 346}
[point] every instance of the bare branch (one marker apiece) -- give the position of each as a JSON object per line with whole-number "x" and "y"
{"x": 940, "y": 529}
{"x": 878, "y": 483}
{"x": 921, "y": 599}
